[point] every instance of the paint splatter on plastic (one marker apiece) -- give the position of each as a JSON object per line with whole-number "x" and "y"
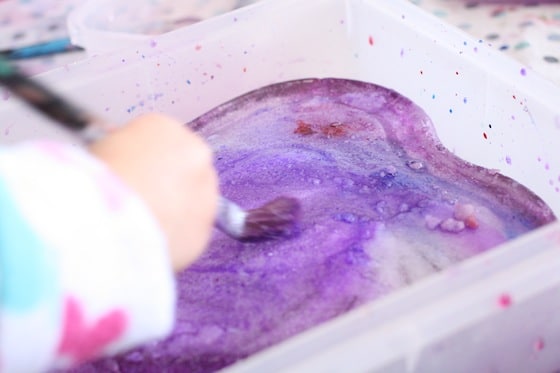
{"x": 505, "y": 301}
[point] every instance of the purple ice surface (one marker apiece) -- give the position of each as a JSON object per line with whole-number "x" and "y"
{"x": 384, "y": 204}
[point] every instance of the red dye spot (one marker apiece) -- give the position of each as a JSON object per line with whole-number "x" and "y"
{"x": 198, "y": 47}
{"x": 303, "y": 129}
{"x": 456, "y": 73}
{"x": 539, "y": 345}
{"x": 498, "y": 11}
{"x": 485, "y": 135}
{"x": 370, "y": 40}
{"x": 504, "y": 300}
{"x": 514, "y": 97}
{"x": 471, "y": 222}
{"x": 334, "y": 130}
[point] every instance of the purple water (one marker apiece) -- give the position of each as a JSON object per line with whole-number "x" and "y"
{"x": 383, "y": 205}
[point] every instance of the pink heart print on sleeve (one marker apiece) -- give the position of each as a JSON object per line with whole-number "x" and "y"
{"x": 83, "y": 340}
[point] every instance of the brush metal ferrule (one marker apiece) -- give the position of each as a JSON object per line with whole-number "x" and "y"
{"x": 231, "y": 218}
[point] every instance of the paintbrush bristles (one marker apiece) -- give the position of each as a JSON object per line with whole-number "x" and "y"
{"x": 277, "y": 218}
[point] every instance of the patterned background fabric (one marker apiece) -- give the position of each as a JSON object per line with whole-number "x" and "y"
{"x": 529, "y": 33}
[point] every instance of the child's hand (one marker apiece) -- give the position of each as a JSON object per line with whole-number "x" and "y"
{"x": 171, "y": 170}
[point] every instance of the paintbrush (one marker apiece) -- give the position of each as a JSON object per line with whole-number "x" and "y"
{"x": 277, "y": 218}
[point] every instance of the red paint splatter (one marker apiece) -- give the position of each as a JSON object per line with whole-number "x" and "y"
{"x": 81, "y": 341}
{"x": 471, "y": 222}
{"x": 198, "y": 47}
{"x": 504, "y": 300}
{"x": 303, "y": 129}
{"x": 498, "y": 11}
{"x": 334, "y": 130}
{"x": 514, "y": 97}
{"x": 485, "y": 135}
{"x": 456, "y": 73}
{"x": 370, "y": 40}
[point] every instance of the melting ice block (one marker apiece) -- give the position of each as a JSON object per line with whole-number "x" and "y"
{"x": 384, "y": 204}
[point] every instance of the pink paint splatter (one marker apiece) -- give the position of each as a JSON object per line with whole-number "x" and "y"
{"x": 370, "y": 40}
{"x": 81, "y": 341}
{"x": 198, "y": 47}
{"x": 153, "y": 43}
{"x": 523, "y": 72}
{"x": 504, "y": 300}
{"x": 539, "y": 344}
{"x": 508, "y": 160}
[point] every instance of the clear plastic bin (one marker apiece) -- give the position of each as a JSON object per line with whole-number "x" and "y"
{"x": 495, "y": 312}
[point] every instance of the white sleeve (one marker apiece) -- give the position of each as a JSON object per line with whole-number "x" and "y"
{"x": 97, "y": 266}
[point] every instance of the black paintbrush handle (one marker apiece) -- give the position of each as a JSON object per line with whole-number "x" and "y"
{"x": 43, "y": 99}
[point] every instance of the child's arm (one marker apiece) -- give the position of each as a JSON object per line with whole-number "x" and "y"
{"x": 85, "y": 255}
